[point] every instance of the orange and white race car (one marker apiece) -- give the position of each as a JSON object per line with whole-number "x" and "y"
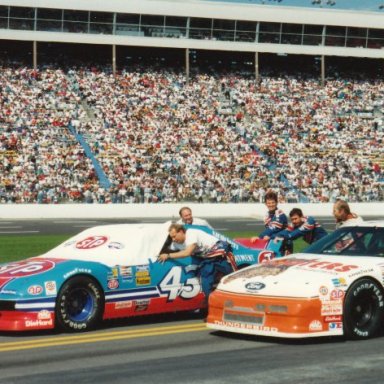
{"x": 335, "y": 287}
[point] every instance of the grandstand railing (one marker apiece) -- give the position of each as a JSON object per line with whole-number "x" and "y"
{"x": 198, "y": 28}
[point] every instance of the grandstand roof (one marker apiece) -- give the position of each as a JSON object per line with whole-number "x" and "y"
{"x": 227, "y": 9}
{"x": 343, "y": 40}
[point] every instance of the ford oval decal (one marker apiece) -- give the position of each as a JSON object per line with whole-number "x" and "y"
{"x": 254, "y": 286}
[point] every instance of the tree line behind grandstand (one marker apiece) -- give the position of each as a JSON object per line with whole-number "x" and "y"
{"x": 150, "y": 136}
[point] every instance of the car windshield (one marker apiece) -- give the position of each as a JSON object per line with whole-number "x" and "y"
{"x": 351, "y": 241}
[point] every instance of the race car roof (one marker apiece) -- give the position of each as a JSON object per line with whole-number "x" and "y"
{"x": 120, "y": 244}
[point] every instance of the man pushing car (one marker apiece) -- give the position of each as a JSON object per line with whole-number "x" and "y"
{"x": 195, "y": 242}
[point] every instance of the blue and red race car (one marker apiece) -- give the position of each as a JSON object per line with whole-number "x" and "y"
{"x": 106, "y": 272}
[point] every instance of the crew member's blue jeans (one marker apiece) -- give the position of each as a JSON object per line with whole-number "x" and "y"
{"x": 208, "y": 270}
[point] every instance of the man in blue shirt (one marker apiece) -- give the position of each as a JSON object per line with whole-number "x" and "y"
{"x": 302, "y": 226}
{"x": 275, "y": 221}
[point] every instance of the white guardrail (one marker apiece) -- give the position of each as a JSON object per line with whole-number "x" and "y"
{"x": 124, "y": 211}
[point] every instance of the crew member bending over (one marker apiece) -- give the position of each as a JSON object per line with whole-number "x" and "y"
{"x": 195, "y": 242}
{"x": 302, "y": 226}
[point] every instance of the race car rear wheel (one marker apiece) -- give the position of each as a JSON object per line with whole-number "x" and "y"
{"x": 80, "y": 304}
{"x": 363, "y": 309}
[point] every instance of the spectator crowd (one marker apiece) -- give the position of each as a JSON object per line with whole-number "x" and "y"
{"x": 159, "y": 138}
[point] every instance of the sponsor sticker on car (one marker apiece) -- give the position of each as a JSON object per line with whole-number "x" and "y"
{"x": 91, "y": 242}
{"x": 323, "y": 291}
{"x": 26, "y": 268}
{"x": 113, "y": 284}
{"x": 123, "y": 304}
{"x": 266, "y": 256}
{"x": 126, "y": 273}
{"x": 115, "y": 245}
{"x": 331, "y": 307}
{"x": 35, "y": 290}
{"x": 50, "y": 287}
{"x": 142, "y": 275}
{"x": 141, "y": 305}
{"x": 333, "y": 319}
{"x": 315, "y": 325}
{"x": 252, "y": 287}
{"x": 335, "y": 326}
{"x": 339, "y": 282}
{"x": 143, "y": 280}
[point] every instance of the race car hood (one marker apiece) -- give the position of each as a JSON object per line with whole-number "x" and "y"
{"x": 128, "y": 244}
{"x": 300, "y": 275}
{"x": 37, "y": 276}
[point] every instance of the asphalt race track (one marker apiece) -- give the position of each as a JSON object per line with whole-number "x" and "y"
{"x": 178, "y": 348}
{"x": 71, "y": 227}
{"x": 173, "y": 350}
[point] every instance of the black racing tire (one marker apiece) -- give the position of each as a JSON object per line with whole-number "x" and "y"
{"x": 363, "y": 309}
{"x": 79, "y": 304}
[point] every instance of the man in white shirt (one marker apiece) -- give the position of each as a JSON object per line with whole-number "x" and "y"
{"x": 187, "y": 218}
{"x": 195, "y": 242}
{"x": 343, "y": 215}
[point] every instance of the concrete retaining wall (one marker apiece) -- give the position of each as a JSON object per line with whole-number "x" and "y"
{"x": 81, "y": 211}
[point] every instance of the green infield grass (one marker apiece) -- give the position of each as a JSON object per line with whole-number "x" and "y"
{"x": 21, "y": 247}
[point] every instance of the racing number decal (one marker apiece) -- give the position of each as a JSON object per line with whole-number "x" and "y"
{"x": 266, "y": 256}
{"x": 172, "y": 286}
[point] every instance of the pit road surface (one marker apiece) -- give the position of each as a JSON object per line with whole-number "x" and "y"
{"x": 171, "y": 350}
{"x": 179, "y": 348}
{"x": 71, "y": 227}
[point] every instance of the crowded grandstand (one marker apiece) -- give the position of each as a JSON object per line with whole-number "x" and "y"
{"x": 163, "y": 123}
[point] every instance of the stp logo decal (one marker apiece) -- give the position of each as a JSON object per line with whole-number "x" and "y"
{"x": 91, "y": 242}
{"x": 113, "y": 284}
{"x": 337, "y": 294}
{"x": 26, "y": 268}
{"x": 255, "y": 286}
{"x": 266, "y": 256}
{"x": 35, "y": 289}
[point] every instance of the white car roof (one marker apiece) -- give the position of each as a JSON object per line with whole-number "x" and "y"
{"x": 119, "y": 244}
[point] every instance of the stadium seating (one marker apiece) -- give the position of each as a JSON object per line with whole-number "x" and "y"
{"x": 155, "y": 138}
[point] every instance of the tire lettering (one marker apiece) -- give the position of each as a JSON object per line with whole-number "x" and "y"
{"x": 360, "y": 333}
{"x": 65, "y": 319}
{"x": 367, "y": 290}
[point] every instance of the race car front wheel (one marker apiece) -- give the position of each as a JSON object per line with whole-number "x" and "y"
{"x": 363, "y": 309}
{"x": 80, "y": 304}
